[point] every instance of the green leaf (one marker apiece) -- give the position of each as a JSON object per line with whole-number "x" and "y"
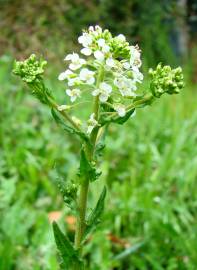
{"x": 94, "y": 218}
{"x": 119, "y": 120}
{"x": 86, "y": 168}
{"x": 67, "y": 252}
{"x": 67, "y": 128}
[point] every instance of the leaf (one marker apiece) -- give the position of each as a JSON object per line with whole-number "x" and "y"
{"x": 67, "y": 252}
{"x": 128, "y": 251}
{"x": 94, "y": 218}
{"x": 67, "y": 128}
{"x": 86, "y": 168}
{"x": 119, "y": 120}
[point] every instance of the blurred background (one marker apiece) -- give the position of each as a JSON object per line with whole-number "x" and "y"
{"x": 149, "y": 165}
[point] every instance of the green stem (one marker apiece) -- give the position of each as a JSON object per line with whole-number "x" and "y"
{"x": 63, "y": 113}
{"x": 83, "y": 193}
{"x": 82, "y": 204}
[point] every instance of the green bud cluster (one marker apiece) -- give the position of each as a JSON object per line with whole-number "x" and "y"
{"x": 120, "y": 49}
{"x": 30, "y": 69}
{"x": 166, "y": 80}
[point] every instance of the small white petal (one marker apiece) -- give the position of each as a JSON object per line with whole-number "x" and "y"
{"x": 120, "y": 110}
{"x": 73, "y": 98}
{"x": 95, "y": 92}
{"x": 101, "y": 42}
{"x": 62, "y": 76}
{"x": 65, "y": 75}
{"x": 110, "y": 62}
{"x": 74, "y": 66}
{"x": 87, "y": 75}
{"x": 106, "y": 87}
{"x": 126, "y": 65}
{"x": 85, "y": 39}
{"x": 86, "y": 51}
{"x": 105, "y": 49}
{"x": 91, "y": 80}
{"x": 68, "y": 57}
{"x": 99, "y": 55}
{"x": 103, "y": 97}
{"x": 91, "y": 28}
{"x": 68, "y": 92}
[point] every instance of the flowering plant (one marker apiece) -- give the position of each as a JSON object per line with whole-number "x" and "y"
{"x": 107, "y": 76}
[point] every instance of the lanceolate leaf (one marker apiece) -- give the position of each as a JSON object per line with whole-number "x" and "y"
{"x": 94, "y": 217}
{"x": 67, "y": 128}
{"x": 67, "y": 252}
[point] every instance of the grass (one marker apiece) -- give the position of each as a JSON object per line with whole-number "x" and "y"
{"x": 149, "y": 167}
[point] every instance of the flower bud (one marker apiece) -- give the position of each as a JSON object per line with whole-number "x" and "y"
{"x": 166, "y": 80}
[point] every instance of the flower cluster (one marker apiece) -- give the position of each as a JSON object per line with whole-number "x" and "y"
{"x": 110, "y": 70}
{"x": 30, "y": 69}
{"x": 166, "y": 80}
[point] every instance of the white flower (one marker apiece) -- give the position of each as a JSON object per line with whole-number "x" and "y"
{"x": 126, "y": 65}
{"x": 85, "y": 40}
{"x": 126, "y": 86}
{"x": 101, "y": 42}
{"x": 110, "y": 62}
{"x": 105, "y": 48}
{"x": 91, "y": 28}
{"x": 76, "y": 61}
{"x": 120, "y": 108}
{"x": 135, "y": 57}
{"x": 87, "y": 76}
{"x": 63, "y": 108}
{"x": 65, "y": 75}
{"x": 103, "y": 91}
{"x": 121, "y": 37}
{"x": 73, "y": 94}
{"x": 86, "y": 51}
{"x": 72, "y": 81}
{"x": 99, "y": 56}
{"x": 92, "y": 123}
{"x": 137, "y": 75}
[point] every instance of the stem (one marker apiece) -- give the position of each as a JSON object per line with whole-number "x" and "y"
{"x": 82, "y": 204}
{"x": 83, "y": 193}
{"x": 63, "y": 113}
